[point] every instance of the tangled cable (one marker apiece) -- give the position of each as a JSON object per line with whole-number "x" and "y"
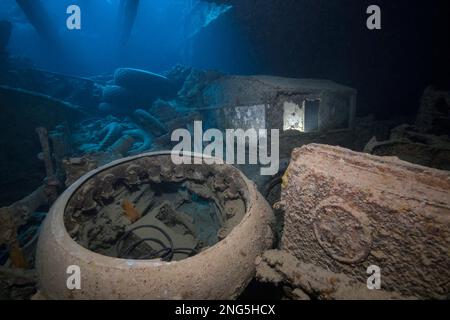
{"x": 166, "y": 253}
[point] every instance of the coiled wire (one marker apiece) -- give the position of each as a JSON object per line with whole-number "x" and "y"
{"x": 166, "y": 253}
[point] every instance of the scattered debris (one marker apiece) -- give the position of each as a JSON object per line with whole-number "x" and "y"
{"x": 17, "y": 284}
{"x": 409, "y": 144}
{"x": 16, "y": 216}
{"x": 51, "y": 180}
{"x": 337, "y": 211}
{"x": 17, "y": 256}
{"x": 305, "y": 281}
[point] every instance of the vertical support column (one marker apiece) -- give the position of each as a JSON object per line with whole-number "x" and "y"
{"x": 127, "y": 16}
{"x": 38, "y": 17}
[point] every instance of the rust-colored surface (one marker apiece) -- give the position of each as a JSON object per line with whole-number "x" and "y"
{"x": 17, "y": 257}
{"x": 130, "y": 211}
{"x": 345, "y": 211}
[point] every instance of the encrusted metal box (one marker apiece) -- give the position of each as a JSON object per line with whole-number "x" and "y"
{"x": 291, "y": 105}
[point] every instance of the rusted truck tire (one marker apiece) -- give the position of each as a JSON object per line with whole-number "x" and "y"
{"x": 219, "y": 272}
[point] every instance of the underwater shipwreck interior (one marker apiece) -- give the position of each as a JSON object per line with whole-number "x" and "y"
{"x": 314, "y": 151}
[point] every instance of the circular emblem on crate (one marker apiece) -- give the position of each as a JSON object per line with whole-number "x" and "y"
{"x": 342, "y": 231}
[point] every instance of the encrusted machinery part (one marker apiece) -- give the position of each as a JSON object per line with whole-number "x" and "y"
{"x": 304, "y": 281}
{"x": 221, "y": 271}
{"x": 345, "y": 211}
{"x": 22, "y": 112}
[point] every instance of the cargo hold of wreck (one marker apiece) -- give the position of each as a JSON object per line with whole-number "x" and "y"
{"x": 356, "y": 124}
